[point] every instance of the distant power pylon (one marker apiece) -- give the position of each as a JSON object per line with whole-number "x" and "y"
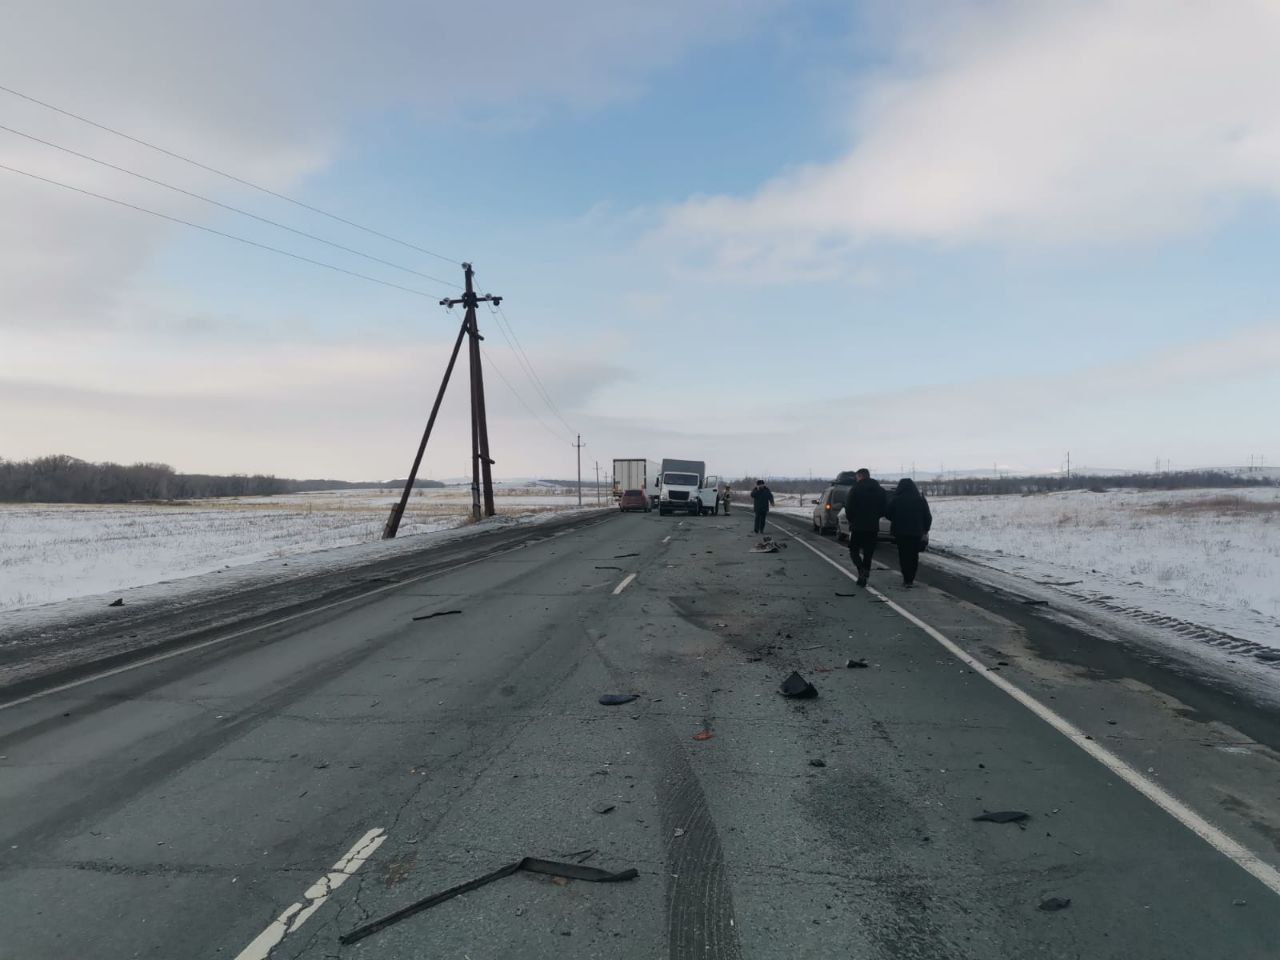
{"x": 481, "y": 463}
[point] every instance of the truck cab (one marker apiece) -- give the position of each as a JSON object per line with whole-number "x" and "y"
{"x": 684, "y": 487}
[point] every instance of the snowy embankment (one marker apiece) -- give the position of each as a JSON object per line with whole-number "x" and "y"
{"x": 1178, "y": 559}
{"x": 59, "y": 552}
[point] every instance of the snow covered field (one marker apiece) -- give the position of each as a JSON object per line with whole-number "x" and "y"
{"x": 1208, "y": 557}
{"x": 51, "y": 552}
{"x": 1211, "y": 557}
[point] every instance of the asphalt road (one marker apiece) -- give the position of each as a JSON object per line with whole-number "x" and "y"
{"x": 266, "y": 794}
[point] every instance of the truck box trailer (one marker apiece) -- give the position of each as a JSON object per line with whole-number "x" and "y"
{"x": 636, "y": 473}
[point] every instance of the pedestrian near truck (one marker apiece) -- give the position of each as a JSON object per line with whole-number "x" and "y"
{"x": 863, "y": 508}
{"x": 724, "y": 499}
{"x": 761, "y": 500}
{"x": 909, "y": 521}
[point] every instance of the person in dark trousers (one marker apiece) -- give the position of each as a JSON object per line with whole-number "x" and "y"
{"x": 762, "y": 500}
{"x": 909, "y": 522}
{"x": 863, "y": 508}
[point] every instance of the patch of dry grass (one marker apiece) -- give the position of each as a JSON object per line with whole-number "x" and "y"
{"x": 1224, "y": 505}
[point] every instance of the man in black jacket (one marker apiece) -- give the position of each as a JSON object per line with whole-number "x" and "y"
{"x": 863, "y": 508}
{"x": 910, "y": 520}
{"x": 762, "y": 500}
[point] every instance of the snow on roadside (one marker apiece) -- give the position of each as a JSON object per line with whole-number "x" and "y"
{"x": 1209, "y": 557}
{"x": 59, "y": 560}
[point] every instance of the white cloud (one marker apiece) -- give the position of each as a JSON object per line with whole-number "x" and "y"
{"x": 352, "y": 409}
{"x": 268, "y": 91}
{"x": 1042, "y": 123}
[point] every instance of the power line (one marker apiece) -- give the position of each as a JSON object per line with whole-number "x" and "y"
{"x": 515, "y": 393}
{"x": 224, "y": 206}
{"x": 528, "y": 364}
{"x": 229, "y": 176}
{"x": 217, "y": 233}
{"x": 524, "y": 365}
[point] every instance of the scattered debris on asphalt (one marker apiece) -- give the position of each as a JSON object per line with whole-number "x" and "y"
{"x": 1036, "y": 603}
{"x": 569, "y": 871}
{"x": 623, "y": 556}
{"x": 617, "y": 699}
{"x": 117, "y": 602}
{"x": 817, "y": 762}
{"x": 1239, "y": 903}
{"x": 608, "y": 568}
{"x": 581, "y": 855}
{"x": 1004, "y": 816}
{"x": 1055, "y": 903}
{"x": 679, "y": 832}
{"x": 604, "y": 807}
{"x": 798, "y": 687}
{"x": 703, "y": 735}
{"x": 839, "y": 594}
{"x": 438, "y": 613}
{"x": 1059, "y": 583}
{"x": 856, "y": 664}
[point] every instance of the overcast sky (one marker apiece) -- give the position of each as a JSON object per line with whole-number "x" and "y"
{"x": 779, "y": 237}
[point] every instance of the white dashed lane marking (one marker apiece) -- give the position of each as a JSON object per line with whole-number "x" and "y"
{"x": 296, "y": 914}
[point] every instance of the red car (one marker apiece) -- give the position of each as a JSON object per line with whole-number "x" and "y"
{"x": 633, "y": 500}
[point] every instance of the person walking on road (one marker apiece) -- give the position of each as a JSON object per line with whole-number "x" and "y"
{"x": 909, "y": 522}
{"x": 762, "y": 500}
{"x": 863, "y": 507}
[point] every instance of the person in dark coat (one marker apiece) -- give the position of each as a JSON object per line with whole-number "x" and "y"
{"x": 909, "y": 522}
{"x": 863, "y": 508}
{"x": 761, "y": 500}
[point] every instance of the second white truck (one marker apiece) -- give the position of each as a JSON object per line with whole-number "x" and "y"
{"x": 685, "y": 487}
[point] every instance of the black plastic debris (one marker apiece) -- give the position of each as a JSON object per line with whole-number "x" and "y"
{"x": 617, "y": 699}
{"x": 570, "y": 871}
{"x": 1053, "y": 904}
{"x": 1004, "y": 816}
{"x": 839, "y": 594}
{"x": 1036, "y": 603}
{"x": 817, "y": 762}
{"x": 438, "y": 613}
{"x": 798, "y": 687}
{"x": 856, "y": 664}
{"x": 623, "y": 556}
{"x": 604, "y": 807}
{"x": 117, "y": 602}
{"x": 608, "y": 568}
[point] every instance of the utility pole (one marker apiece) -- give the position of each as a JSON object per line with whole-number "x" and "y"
{"x": 480, "y": 461}
{"x": 597, "y": 463}
{"x": 579, "y": 445}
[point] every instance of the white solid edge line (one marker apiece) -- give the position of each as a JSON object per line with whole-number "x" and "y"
{"x": 296, "y": 914}
{"x": 1241, "y": 855}
{"x": 626, "y": 582}
{"x": 169, "y": 655}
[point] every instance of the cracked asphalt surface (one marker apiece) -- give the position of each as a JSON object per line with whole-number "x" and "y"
{"x": 177, "y": 809}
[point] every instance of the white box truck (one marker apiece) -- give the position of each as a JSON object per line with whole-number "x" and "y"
{"x": 636, "y": 474}
{"x": 684, "y": 486}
